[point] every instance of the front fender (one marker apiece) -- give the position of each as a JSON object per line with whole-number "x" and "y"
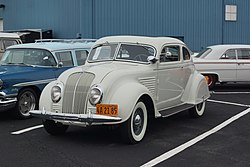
{"x": 126, "y": 96}
{"x": 45, "y": 98}
{"x": 196, "y": 90}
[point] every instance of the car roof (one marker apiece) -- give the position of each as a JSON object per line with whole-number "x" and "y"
{"x": 229, "y": 46}
{"x": 54, "y": 46}
{"x": 9, "y": 35}
{"x": 218, "y": 50}
{"x": 157, "y": 42}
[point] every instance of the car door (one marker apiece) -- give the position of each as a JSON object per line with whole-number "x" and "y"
{"x": 227, "y": 66}
{"x": 243, "y": 65}
{"x": 172, "y": 77}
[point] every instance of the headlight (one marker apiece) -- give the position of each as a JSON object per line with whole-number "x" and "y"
{"x": 1, "y": 83}
{"x": 95, "y": 95}
{"x": 56, "y": 93}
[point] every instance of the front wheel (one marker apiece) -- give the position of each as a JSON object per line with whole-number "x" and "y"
{"x": 54, "y": 128}
{"x": 133, "y": 130}
{"x": 27, "y": 100}
{"x": 198, "y": 110}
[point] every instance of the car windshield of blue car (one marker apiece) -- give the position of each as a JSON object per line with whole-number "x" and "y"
{"x": 34, "y": 57}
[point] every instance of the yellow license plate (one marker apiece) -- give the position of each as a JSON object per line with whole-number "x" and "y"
{"x": 107, "y": 109}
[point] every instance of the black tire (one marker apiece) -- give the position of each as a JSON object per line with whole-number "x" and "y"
{"x": 134, "y": 129}
{"x": 27, "y": 100}
{"x": 198, "y": 110}
{"x": 54, "y": 128}
{"x": 211, "y": 80}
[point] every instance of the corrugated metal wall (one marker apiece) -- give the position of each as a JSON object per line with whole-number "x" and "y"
{"x": 200, "y": 22}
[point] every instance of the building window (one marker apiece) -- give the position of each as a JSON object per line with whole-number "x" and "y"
{"x": 231, "y": 13}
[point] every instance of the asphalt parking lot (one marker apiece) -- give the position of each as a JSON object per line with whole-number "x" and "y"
{"x": 220, "y": 138}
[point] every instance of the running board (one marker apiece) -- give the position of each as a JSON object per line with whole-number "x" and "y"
{"x": 175, "y": 110}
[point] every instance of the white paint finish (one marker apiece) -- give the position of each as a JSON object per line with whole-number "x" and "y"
{"x": 26, "y": 130}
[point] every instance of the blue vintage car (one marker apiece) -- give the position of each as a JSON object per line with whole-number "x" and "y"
{"x": 26, "y": 69}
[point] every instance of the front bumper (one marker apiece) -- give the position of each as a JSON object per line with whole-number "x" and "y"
{"x": 7, "y": 103}
{"x": 82, "y": 118}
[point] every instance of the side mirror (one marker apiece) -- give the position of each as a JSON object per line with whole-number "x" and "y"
{"x": 152, "y": 59}
{"x": 168, "y": 54}
{"x": 60, "y": 64}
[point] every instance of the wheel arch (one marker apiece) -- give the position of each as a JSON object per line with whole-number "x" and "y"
{"x": 217, "y": 76}
{"x": 127, "y": 95}
{"x": 35, "y": 88}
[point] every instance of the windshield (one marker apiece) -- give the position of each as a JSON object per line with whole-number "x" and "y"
{"x": 37, "y": 57}
{"x": 204, "y": 53}
{"x": 126, "y": 52}
{"x": 103, "y": 52}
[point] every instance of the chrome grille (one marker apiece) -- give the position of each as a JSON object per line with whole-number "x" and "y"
{"x": 150, "y": 83}
{"x": 76, "y": 92}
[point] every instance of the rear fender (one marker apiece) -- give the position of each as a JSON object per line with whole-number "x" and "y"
{"x": 196, "y": 90}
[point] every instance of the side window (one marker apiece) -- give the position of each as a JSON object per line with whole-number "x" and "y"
{"x": 186, "y": 54}
{"x": 1, "y": 46}
{"x": 170, "y": 54}
{"x": 243, "y": 54}
{"x": 65, "y": 58}
{"x": 135, "y": 52}
{"x": 81, "y": 56}
{"x": 229, "y": 54}
{"x": 8, "y": 43}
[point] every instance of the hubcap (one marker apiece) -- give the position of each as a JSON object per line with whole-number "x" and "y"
{"x": 138, "y": 121}
{"x": 27, "y": 102}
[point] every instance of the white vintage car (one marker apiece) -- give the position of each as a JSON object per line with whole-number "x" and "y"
{"x": 224, "y": 63}
{"x": 125, "y": 81}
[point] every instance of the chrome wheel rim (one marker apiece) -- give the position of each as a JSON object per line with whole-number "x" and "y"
{"x": 27, "y": 102}
{"x": 138, "y": 121}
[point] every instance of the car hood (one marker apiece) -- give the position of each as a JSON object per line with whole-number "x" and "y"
{"x": 100, "y": 70}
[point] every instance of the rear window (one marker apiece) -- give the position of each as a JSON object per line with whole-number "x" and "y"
{"x": 204, "y": 53}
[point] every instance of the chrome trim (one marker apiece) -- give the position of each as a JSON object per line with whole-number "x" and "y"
{"x": 87, "y": 118}
{"x": 8, "y": 100}
{"x": 149, "y": 83}
{"x": 35, "y": 82}
{"x": 2, "y": 94}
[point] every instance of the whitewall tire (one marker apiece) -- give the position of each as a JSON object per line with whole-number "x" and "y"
{"x": 134, "y": 129}
{"x": 198, "y": 110}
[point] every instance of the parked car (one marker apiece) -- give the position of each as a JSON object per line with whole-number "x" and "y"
{"x": 125, "y": 81}
{"x": 224, "y": 63}
{"x": 8, "y": 39}
{"x": 25, "y": 69}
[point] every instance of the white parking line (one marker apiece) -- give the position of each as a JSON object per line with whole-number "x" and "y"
{"x": 224, "y": 93}
{"x": 230, "y": 103}
{"x": 188, "y": 144}
{"x": 26, "y": 130}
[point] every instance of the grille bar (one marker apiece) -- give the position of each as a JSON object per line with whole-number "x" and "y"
{"x": 76, "y": 92}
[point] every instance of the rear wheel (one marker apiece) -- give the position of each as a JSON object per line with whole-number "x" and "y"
{"x": 54, "y": 128}
{"x": 27, "y": 100}
{"x": 211, "y": 80}
{"x": 133, "y": 130}
{"x": 198, "y": 110}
